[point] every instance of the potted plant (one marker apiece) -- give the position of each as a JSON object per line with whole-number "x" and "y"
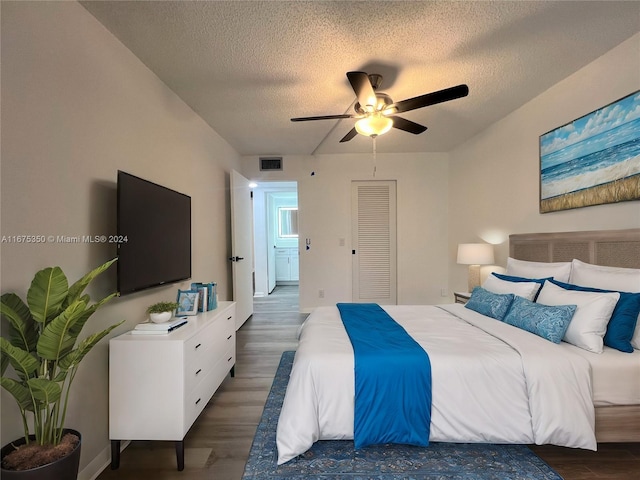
{"x": 40, "y": 345}
{"x": 162, "y": 311}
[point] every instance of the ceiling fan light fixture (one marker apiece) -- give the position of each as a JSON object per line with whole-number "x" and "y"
{"x": 373, "y": 125}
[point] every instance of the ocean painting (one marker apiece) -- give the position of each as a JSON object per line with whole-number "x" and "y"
{"x": 592, "y": 160}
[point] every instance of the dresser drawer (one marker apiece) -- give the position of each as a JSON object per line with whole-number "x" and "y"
{"x": 209, "y": 380}
{"x": 202, "y": 353}
{"x": 199, "y": 397}
{"x": 213, "y": 336}
{"x": 196, "y": 371}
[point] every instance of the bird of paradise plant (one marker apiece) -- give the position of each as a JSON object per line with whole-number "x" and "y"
{"x": 41, "y": 347}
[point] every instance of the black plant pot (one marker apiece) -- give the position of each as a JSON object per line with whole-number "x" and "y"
{"x": 66, "y": 468}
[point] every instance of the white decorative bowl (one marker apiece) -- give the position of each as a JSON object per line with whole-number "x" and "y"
{"x": 160, "y": 317}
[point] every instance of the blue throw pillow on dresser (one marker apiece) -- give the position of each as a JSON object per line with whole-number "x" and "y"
{"x": 548, "y": 322}
{"x": 494, "y": 305}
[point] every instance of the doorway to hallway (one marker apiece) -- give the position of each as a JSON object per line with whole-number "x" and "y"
{"x": 276, "y": 241}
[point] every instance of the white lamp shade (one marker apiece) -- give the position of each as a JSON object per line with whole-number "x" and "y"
{"x": 374, "y": 125}
{"x": 475, "y": 254}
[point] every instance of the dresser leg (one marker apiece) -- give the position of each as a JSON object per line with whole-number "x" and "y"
{"x": 115, "y": 454}
{"x": 233, "y": 371}
{"x": 180, "y": 454}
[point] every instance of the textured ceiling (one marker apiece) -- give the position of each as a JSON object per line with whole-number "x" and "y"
{"x": 247, "y": 67}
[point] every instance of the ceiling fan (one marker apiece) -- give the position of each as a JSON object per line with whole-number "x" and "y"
{"x": 376, "y": 111}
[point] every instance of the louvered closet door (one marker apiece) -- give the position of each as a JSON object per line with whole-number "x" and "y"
{"x": 374, "y": 241}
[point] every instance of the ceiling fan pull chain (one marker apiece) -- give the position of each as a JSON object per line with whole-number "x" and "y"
{"x": 373, "y": 137}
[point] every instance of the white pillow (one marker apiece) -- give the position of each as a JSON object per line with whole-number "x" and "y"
{"x": 527, "y": 290}
{"x": 608, "y": 278}
{"x": 522, "y": 268}
{"x": 589, "y": 322}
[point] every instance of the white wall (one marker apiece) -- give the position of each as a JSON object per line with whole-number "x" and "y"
{"x": 76, "y": 107}
{"x": 324, "y": 215}
{"x": 494, "y": 177}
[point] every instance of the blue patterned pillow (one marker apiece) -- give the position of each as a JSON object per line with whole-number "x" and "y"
{"x": 494, "y": 305}
{"x": 546, "y": 321}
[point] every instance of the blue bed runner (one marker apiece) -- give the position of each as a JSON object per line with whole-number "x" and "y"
{"x": 392, "y": 379}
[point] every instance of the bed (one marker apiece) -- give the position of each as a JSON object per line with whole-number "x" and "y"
{"x": 492, "y": 383}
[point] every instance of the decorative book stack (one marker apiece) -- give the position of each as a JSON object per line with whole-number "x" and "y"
{"x": 208, "y": 295}
{"x": 150, "y": 328}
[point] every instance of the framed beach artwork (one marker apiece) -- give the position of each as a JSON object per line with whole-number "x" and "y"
{"x": 592, "y": 160}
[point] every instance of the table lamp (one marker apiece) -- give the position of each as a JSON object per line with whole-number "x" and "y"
{"x": 474, "y": 255}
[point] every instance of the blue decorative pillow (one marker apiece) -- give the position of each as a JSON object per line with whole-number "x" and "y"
{"x": 548, "y": 322}
{"x": 511, "y": 278}
{"x": 623, "y": 320}
{"x": 494, "y": 305}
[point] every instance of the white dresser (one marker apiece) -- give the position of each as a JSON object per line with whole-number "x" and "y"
{"x": 159, "y": 384}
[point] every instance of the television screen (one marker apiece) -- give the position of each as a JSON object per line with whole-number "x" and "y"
{"x": 154, "y": 226}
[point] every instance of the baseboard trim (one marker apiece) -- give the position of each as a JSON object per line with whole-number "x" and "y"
{"x": 99, "y": 463}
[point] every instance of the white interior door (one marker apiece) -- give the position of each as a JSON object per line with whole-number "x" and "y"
{"x": 373, "y": 206}
{"x": 242, "y": 247}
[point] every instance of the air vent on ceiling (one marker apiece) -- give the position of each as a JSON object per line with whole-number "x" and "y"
{"x": 270, "y": 163}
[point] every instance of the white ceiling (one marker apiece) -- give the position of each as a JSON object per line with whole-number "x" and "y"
{"x": 247, "y": 67}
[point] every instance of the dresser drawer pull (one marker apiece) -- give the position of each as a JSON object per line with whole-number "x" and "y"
{"x": 229, "y": 318}
{"x": 198, "y": 401}
{"x": 229, "y": 337}
{"x": 229, "y": 359}
{"x": 199, "y": 370}
{"x": 198, "y": 346}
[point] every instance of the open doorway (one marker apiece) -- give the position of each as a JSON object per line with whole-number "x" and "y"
{"x": 276, "y": 242}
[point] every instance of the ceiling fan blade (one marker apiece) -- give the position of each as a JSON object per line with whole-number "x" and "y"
{"x": 352, "y": 133}
{"x": 322, "y": 117}
{"x": 362, "y": 87}
{"x": 408, "y": 125}
{"x": 430, "y": 99}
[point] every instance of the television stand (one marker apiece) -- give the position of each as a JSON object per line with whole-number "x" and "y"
{"x": 159, "y": 384}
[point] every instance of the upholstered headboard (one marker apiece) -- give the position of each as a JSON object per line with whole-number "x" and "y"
{"x": 613, "y": 248}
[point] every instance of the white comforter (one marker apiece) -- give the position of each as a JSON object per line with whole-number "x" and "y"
{"x": 492, "y": 383}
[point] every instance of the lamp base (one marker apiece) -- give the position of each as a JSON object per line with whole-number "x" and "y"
{"x": 474, "y": 277}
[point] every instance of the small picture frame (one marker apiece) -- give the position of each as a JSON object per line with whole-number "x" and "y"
{"x": 187, "y": 302}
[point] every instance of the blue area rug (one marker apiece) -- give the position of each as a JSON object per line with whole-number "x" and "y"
{"x": 337, "y": 459}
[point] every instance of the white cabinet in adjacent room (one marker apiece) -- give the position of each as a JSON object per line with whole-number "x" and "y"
{"x": 287, "y": 265}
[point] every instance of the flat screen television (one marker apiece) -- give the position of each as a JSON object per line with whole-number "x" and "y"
{"x": 154, "y": 229}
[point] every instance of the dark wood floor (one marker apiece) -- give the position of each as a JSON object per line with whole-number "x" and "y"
{"x": 217, "y": 446}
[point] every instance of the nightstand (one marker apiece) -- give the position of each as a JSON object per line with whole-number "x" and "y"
{"x": 461, "y": 297}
